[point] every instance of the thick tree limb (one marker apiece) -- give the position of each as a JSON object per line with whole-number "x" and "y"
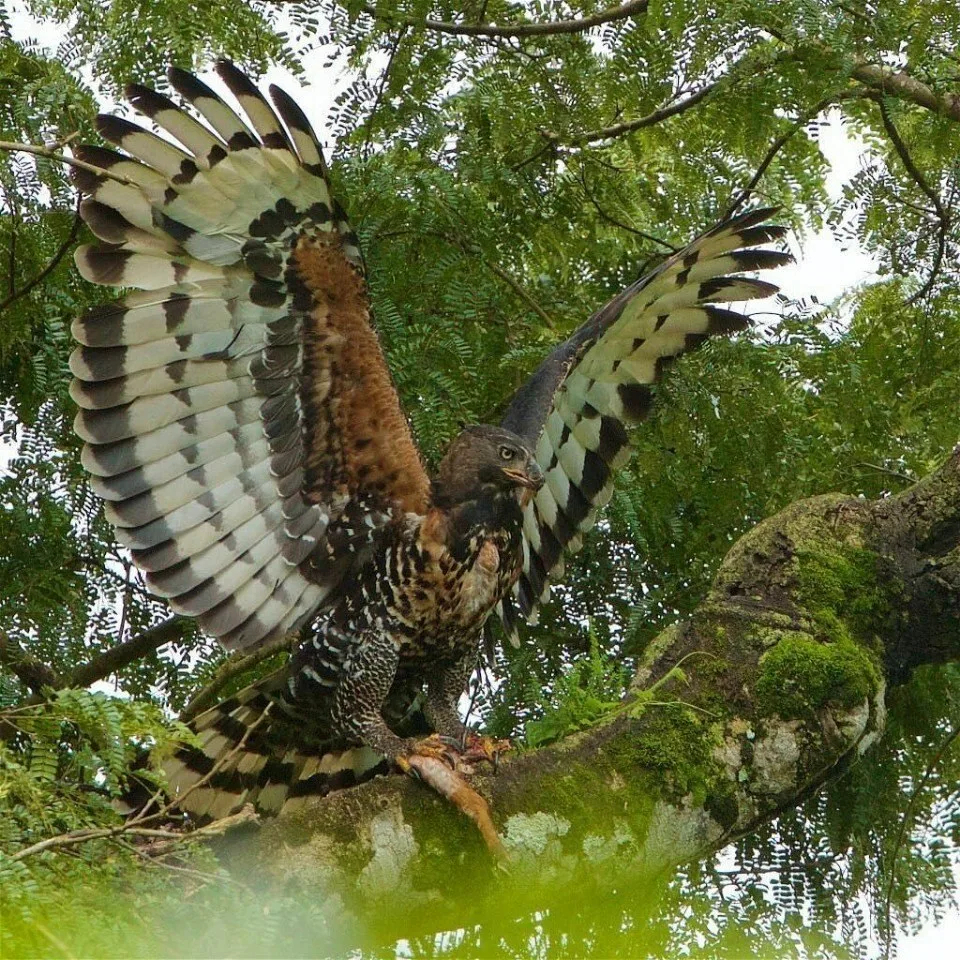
{"x": 555, "y": 28}
{"x": 773, "y": 686}
{"x": 905, "y": 87}
{"x": 123, "y": 654}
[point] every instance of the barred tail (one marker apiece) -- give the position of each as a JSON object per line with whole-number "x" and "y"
{"x": 254, "y": 748}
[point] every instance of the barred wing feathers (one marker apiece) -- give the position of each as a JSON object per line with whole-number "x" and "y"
{"x": 575, "y": 408}
{"x": 239, "y": 418}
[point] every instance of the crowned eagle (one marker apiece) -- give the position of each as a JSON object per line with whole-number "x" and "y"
{"x": 243, "y": 429}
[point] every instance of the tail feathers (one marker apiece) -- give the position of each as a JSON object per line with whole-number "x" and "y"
{"x": 253, "y": 749}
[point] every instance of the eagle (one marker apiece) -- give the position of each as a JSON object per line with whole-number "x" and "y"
{"x": 242, "y": 427}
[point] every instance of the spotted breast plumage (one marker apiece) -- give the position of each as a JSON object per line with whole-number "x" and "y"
{"x": 242, "y": 427}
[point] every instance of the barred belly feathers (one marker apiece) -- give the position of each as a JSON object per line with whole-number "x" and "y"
{"x": 243, "y": 429}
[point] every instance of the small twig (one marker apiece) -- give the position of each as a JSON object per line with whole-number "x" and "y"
{"x": 556, "y": 27}
{"x": 229, "y": 669}
{"x": 618, "y": 223}
{"x": 246, "y": 815}
{"x": 631, "y": 126}
{"x": 51, "y": 937}
{"x": 518, "y": 289}
{"x": 75, "y": 837}
{"x": 132, "y": 827}
{"x": 48, "y": 269}
{"x": 219, "y": 765}
{"x": 943, "y": 215}
{"x": 12, "y": 258}
{"x": 496, "y": 269}
{"x": 777, "y": 145}
{"x": 907, "y": 815}
{"x": 395, "y": 46}
{"x": 53, "y": 154}
{"x": 888, "y": 471}
{"x": 536, "y": 155}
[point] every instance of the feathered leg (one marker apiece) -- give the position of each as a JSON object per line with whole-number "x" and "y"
{"x": 365, "y": 681}
{"x": 444, "y": 689}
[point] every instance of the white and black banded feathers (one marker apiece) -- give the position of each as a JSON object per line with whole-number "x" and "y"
{"x": 242, "y": 427}
{"x": 576, "y": 406}
{"x": 239, "y": 420}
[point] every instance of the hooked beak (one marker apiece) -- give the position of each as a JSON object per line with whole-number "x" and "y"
{"x": 531, "y": 476}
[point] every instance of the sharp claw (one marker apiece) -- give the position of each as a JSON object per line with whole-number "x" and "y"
{"x": 406, "y": 767}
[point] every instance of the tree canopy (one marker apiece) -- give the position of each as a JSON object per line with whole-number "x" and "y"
{"x": 508, "y": 167}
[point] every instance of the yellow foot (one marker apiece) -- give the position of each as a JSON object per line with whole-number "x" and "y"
{"x": 461, "y": 756}
{"x": 479, "y": 749}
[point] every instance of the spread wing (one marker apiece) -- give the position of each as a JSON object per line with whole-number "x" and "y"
{"x": 575, "y": 408}
{"x": 239, "y": 418}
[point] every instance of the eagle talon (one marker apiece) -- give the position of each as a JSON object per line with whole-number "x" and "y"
{"x": 480, "y": 749}
{"x": 406, "y": 767}
{"x": 436, "y": 747}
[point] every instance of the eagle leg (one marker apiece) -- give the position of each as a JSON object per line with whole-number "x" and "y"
{"x": 479, "y": 749}
{"x": 444, "y": 688}
{"x": 471, "y": 748}
{"x": 363, "y": 687}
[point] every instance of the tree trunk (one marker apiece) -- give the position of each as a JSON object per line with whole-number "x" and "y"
{"x": 772, "y": 686}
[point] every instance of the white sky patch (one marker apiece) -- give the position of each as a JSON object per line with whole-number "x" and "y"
{"x": 825, "y": 268}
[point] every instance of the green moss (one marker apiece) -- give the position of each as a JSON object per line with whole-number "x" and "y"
{"x": 672, "y": 743}
{"x": 841, "y": 593}
{"x": 840, "y": 589}
{"x": 801, "y": 674}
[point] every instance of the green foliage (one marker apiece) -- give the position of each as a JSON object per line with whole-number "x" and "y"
{"x": 495, "y": 216}
{"x": 588, "y": 691}
{"x": 63, "y": 764}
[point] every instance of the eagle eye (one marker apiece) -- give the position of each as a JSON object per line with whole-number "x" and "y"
{"x": 507, "y": 453}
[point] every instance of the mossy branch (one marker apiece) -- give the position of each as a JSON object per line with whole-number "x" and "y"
{"x": 784, "y": 672}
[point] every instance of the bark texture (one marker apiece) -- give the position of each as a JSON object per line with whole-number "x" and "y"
{"x": 774, "y": 684}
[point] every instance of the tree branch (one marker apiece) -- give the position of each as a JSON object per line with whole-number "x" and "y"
{"x": 604, "y": 215}
{"x": 611, "y": 14}
{"x": 773, "y": 686}
{"x": 384, "y": 79}
{"x": 781, "y": 141}
{"x": 631, "y": 126}
{"x": 898, "y": 84}
{"x": 943, "y": 215}
{"x": 36, "y": 675}
{"x": 33, "y": 674}
{"x": 49, "y": 268}
{"x": 123, "y": 654}
{"x": 228, "y": 670}
{"x": 53, "y": 154}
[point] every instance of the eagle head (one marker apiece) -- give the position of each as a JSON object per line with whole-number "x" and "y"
{"x": 485, "y": 459}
